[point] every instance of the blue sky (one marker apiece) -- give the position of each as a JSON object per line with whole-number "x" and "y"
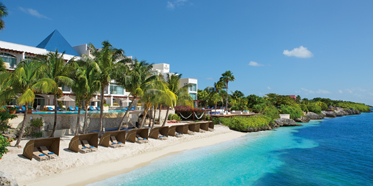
{"x": 316, "y": 48}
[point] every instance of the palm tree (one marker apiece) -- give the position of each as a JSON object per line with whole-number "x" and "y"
{"x": 24, "y": 82}
{"x": 107, "y": 61}
{"x": 138, "y": 79}
{"x": 227, "y": 76}
{"x": 215, "y": 98}
{"x": 181, "y": 93}
{"x": 56, "y": 69}
{"x": 3, "y": 13}
{"x": 2, "y": 65}
{"x": 79, "y": 88}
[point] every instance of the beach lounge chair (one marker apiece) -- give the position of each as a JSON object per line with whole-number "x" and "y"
{"x": 133, "y": 108}
{"x": 59, "y": 109}
{"x": 92, "y": 109}
{"x": 71, "y": 109}
{"x": 98, "y": 108}
{"x": 45, "y": 150}
{"x": 76, "y": 108}
{"x": 38, "y": 155}
{"x": 50, "y": 109}
{"x": 83, "y": 149}
{"x": 115, "y": 142}
{"x": 140, "y": 139}
{"x": 86, "y": 144}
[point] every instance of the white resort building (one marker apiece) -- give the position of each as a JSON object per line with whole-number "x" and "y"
{"x": 114, "y": 95}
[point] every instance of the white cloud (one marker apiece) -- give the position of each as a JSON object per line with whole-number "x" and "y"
{"x": 322, "y": 91}
{"x": 255, "y": 64}
{"x": 269, "y": 88}
{"x": 308, "y": 91}
{"x": 301, "y": 52}
{"x": 340, "y": 91}
{"x": 33, "y": 13}
{"x": 297, "y": 91}
{"x": 175, "y": 3}
{"x": 210, "y": 78}
{"x": 349, "y": 91}
{"x": 370, "y": 93}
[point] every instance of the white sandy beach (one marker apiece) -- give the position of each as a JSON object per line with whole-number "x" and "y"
{"x": 79, "y": 169}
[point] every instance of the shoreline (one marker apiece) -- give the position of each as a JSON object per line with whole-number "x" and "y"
{"x": 81, "y": 169}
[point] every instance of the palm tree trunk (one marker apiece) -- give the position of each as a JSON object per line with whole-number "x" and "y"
{"x": 150, "y": 118}
{"x": 165, "y": 119}
{"x": 85, "y": 116}
{"x": 155, "y": 110}
{"x": 216, "y": 105}
{"x": 23, "y": 127}
{"x": 126, "y": 114}
{"x": 77, "y": 122}
{"x": 144, "y": 117}
{"x": 159, "y": 115}
{"x": 226, "y": 99}
{"x": 55, "y": 115}
{"x": 101, "y": 110}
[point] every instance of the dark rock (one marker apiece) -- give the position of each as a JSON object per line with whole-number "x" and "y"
{"x": 286, "y": 122}
{"x": 314, "y": 116}
{"x": 330, "y": 114}
{"x": 303, "y": 119}
{"x": 7, "y": 180}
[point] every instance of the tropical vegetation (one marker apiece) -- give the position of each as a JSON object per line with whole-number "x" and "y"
{"x": 3, "y": 13}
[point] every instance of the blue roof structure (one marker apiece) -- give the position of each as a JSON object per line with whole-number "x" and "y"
{"x": 55, "y": 41}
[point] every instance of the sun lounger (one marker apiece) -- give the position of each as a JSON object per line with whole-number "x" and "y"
{"x": 45, "y": 150}
{"x": 86, "y": 144}
{"x": 133, "y": 108}
{"x": 115, "y": 142}
{"x": 50, "y": 109}
{"x": 98, "y": 108}
{"x": 140, "y": 139}
{"x": 76, "y": 108}
{"x": 83, "y": 149}
{"x": 71, "y": 109}
{"x": 92, "y": 109}
{"x": 38, "y": 155}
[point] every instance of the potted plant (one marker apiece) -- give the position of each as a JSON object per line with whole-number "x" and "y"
{"x": 29, "y": 110}
{"x": 106, "y": 107}
{"x": 12, "y": 110}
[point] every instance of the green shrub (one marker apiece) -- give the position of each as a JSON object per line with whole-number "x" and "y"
{"x": 313, "y": 107}
{"x": 3, "y": 144}
{"x": 174, "y": 117}
{"x": 295, "y": 111}
{"x": 304, "y": 107}
{"x": 242, "y": 123}
{"x": 208, "y": 117}
{"x": 271, "y": 112}
{"x": 37, "y": 134}
{"x": 4, "y": 117}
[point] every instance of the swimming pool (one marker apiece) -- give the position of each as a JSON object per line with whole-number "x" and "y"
{"x": 75, "y": 112}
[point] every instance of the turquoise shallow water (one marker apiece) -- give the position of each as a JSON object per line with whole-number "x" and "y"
{"x": 329, "y": 152}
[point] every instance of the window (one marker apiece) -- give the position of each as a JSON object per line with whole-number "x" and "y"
{"x": 116, "y": 89}
{"x": 193, "y": 95}
{"x": 10, "y": 59}
{"x": 66, "y": 88}
{"x": 193, "y": 87}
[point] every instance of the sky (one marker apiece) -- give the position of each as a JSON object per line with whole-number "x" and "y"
{"x": 318, "y": 48}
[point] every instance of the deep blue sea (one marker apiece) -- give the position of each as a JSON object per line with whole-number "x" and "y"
{"x": 336, "y": 151}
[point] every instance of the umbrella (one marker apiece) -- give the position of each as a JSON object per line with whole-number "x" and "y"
{"x": 95, "y": 100}
{"x": 65, "y": 98}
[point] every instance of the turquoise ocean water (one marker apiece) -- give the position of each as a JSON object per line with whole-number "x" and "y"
{"x": 336, "y": 151}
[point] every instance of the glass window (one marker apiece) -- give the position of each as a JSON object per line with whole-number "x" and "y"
{"x": 193, "y": 87}
{"x": 116, "y": 89}
{"x": 10, "y": 59}
{"x": 193, "y": 95}
{"x": 66, "y": 88}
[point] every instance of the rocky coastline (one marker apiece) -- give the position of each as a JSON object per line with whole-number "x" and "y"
{"x": 281, "y": 122}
